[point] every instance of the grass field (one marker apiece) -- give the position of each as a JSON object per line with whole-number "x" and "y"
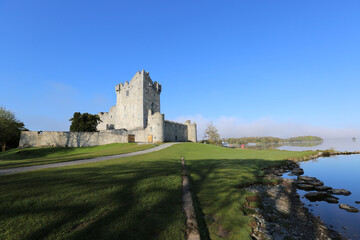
{"x": 36, "y": 156}
{"x": 129, "y": 198}
{"x": 135, "y": 198}
{"x": 217, "y": 173}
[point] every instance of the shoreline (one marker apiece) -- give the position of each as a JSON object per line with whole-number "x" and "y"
{"x": 283, "y": 215}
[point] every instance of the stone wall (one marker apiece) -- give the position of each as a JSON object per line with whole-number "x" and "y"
{"x": 69, "y": 139}
{"x": 175, "y": 132}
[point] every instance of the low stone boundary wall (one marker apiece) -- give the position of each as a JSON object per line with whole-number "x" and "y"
{"x": 69, "y": 139}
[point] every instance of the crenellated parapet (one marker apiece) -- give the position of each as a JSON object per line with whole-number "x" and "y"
{"x": 122, "y": 86}
{"x": 155, "y": 85}
{"x": 172, "y": 123}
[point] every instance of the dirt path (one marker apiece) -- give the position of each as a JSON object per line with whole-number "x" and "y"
{"x": 76, "y": 162}
{"x": 188, "y": 206}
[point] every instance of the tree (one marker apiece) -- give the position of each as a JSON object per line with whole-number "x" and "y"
{"x": 10, "y": 128}
{"x": 85, "y": 122}
{"x": 211, "y": 133}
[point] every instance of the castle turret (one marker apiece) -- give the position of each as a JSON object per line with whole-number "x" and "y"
{"x": 191, "y": 131}
{"x": 156, "y": 126}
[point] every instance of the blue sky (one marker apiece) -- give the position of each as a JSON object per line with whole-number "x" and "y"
{"x": 279, "y": 68}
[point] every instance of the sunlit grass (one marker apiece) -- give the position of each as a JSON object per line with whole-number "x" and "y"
{"x": 137, "y": 197}
{"x": 217, "y": 173}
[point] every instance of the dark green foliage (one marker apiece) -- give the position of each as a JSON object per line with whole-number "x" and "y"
{"x": 85, "y": 122}
{"x": 10, "y": 129}
{"x": 304, "y": 139}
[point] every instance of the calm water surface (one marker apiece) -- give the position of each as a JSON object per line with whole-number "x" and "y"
{"x": 337, "y": 144}
{"x": 342, "y": 171}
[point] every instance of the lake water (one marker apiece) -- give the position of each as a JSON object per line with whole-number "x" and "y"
{"x": 340, "y": 144}
{"x": 341, "y": 171}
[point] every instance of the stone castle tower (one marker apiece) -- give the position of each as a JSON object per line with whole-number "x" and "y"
{"x": 137, "y": 111}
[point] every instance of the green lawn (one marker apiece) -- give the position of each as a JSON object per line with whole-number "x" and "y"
{"x": 216, "y": 174}
{"x": 135, "y": 198}
{"x": 36, "y": 156}
{"x": 129, "y": 198}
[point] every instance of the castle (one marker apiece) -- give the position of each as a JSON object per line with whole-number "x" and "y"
{"x": 137, "y": 111}
{"x": 136, "y": 117}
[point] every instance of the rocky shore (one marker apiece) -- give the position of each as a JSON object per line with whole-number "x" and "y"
{"x": 282, "y": 215}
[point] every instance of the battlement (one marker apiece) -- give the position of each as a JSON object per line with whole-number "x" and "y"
{"x": 145, "y": 76}
{"x": 172, "y": 123}
{"x": 155, "y": 85}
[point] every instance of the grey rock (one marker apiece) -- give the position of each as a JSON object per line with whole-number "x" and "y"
{"x": 316, "y": 183}
{"x": 298, "y": 171}
{"x": 317, "y": 196}
{"x": 306, "y": 178}
{"x": 331, "y": 200}
{"x": 306, "y": 187}
{"x": 340, "y": 192}
{"x": 348, "y": 208}
{"x": 322, "y": 188}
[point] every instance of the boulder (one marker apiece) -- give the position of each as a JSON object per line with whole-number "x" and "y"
{"x": 306, "y": 187}
{"x": 306, "y": 178}
{"x": 331, "y": 199}
{"x": 357, "y": 202}
{"x": 297, "y": 171}
{"x": 339, "y": 192}
{"x": 316, "y": 183}
{"x": 322, "y": 188}
{"x": 348, "y": 208}
{"x": 317, "y": 196}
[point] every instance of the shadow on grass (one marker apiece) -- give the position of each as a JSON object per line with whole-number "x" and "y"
{"x": 35, "y": 152}
{"x": 217, "y": 184}
{"x": 132, "y": 200}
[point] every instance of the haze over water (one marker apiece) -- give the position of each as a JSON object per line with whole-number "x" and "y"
{"x": 338, "y": 144}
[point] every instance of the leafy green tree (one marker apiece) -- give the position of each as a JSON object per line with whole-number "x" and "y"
{"x": 211, "y": 133}
{"x": 84, "y": 122}
{"x": 10, "y": 129}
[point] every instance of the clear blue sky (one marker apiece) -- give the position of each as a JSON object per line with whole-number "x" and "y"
{"x": 275, "y": 62}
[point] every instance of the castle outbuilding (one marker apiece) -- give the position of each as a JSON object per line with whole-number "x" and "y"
{"x": 136, "y": 117}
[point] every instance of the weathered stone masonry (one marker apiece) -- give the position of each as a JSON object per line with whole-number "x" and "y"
{"x": 137, "y": 112}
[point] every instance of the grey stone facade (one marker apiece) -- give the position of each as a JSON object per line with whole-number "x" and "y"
{"x": 137, "y": 110}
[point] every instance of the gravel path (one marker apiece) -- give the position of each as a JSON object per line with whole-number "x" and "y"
{"x": 76, "y": 162}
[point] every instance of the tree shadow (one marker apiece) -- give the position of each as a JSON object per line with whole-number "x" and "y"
{"x": 218, "y": 183}
{"x": 132, "y": 200}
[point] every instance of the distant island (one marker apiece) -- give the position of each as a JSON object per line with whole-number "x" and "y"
{"x": 272, "y": 140}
